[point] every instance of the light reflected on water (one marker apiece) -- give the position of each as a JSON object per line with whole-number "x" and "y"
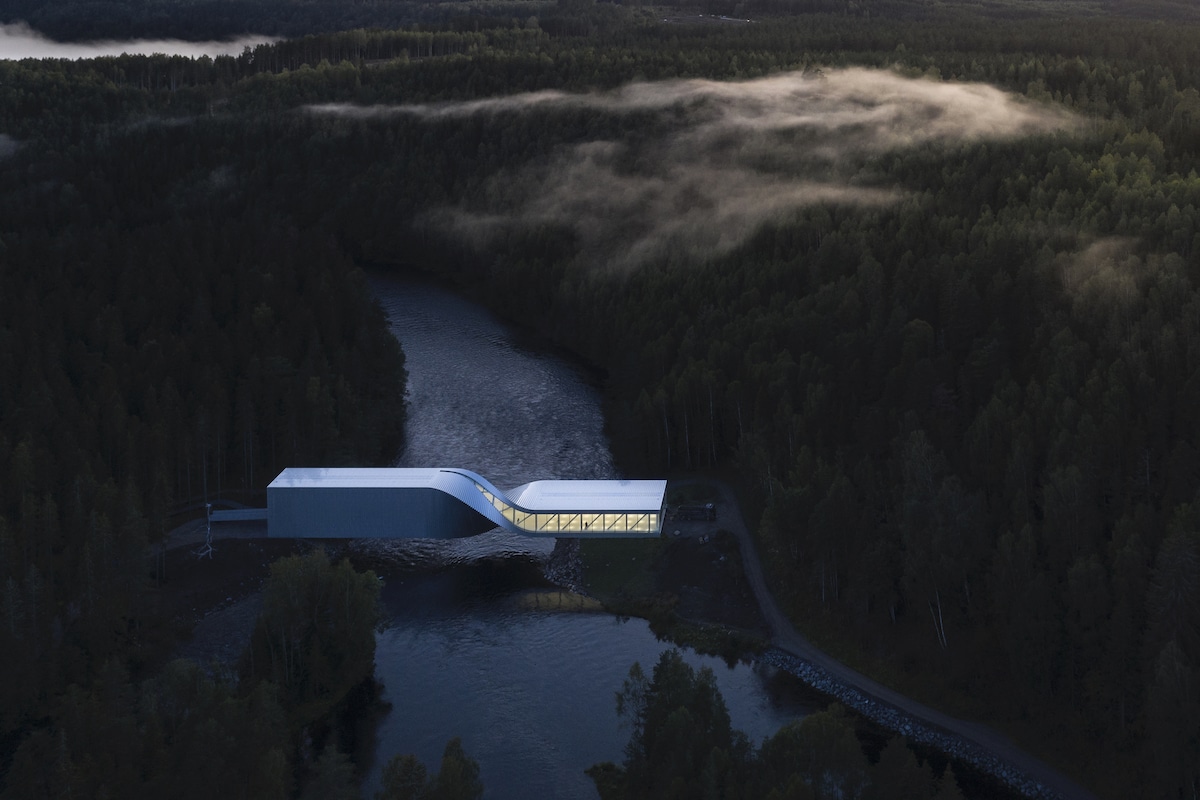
{"x": 532, "y": 694}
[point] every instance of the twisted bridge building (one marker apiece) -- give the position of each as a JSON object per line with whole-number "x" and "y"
{"x": 445, "y": 503}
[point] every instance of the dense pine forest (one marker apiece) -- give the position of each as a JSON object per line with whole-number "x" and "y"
{"x": 924, "y": 277}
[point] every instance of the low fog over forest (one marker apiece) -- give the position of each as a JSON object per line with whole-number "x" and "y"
{"x": 718, "y": 159}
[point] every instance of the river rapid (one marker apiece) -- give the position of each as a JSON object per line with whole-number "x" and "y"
{"x": 531, "y": 694}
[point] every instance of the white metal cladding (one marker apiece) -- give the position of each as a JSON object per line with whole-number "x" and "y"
{"x": 341, "y": 508}
{"x": 446, "y": 503}
{"x": 590, "y": 495}
{"x": 462, "y": 485}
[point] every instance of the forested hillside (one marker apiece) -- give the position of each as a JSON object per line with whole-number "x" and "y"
{"x": 162, "y": 344}
{"x": 929, "y": 285}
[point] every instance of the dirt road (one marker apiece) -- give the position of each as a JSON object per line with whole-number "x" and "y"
{"x": 787, "y": 638}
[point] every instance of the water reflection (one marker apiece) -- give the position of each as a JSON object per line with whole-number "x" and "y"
{"x": 530, "y": 693}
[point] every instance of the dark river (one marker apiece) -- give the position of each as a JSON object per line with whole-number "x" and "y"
{"x": 530, "y": 693}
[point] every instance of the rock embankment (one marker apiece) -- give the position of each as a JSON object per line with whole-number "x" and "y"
{"x": 564, "y": 567}
{"x": 898, "y": 721}
{"x": 978, "y": 744}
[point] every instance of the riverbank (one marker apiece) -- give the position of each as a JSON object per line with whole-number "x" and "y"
{"x": 690, "y": 587}
{"x": 208, "y": 604}
{"x": 707, "y": 573}
{"x": 975, "y": 744}
{"x": 697, "y": 576}
{"x": 699, "y": 585}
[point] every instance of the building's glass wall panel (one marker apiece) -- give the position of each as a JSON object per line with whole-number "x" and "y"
{"x": 572, "y": 522}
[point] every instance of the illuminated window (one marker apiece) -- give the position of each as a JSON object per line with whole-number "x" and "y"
{"x": 571, "y": 522}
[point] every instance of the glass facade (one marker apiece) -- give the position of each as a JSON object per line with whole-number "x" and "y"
{"x": 575, "y": 523}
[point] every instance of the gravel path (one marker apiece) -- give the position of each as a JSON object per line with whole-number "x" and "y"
{"x": 978, "y": 744}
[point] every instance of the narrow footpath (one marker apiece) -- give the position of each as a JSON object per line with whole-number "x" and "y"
{"x": 786, "y": 638}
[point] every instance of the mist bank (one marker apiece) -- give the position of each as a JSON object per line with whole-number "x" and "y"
{"x": 732, "y": 155}
{"x": 19, "y": 41}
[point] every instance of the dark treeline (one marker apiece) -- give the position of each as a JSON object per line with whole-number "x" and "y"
{"x": 199, "y": 20}
{"x": 185, "y": 732}
{"x": 683, "y": 745}
{"x": 162, "y": 344}
{"x": 967, "y": 416}
{"x": 54, "y": 98}
{"x": 196, "y": 20}
{"x": 1090, "y": 63}
{"x": 150, "y": 372}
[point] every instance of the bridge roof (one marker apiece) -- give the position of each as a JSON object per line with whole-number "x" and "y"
{"x": 355, "y": 477}
{"x": 555, "y": 495}
{"x": 590, "y": 495}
